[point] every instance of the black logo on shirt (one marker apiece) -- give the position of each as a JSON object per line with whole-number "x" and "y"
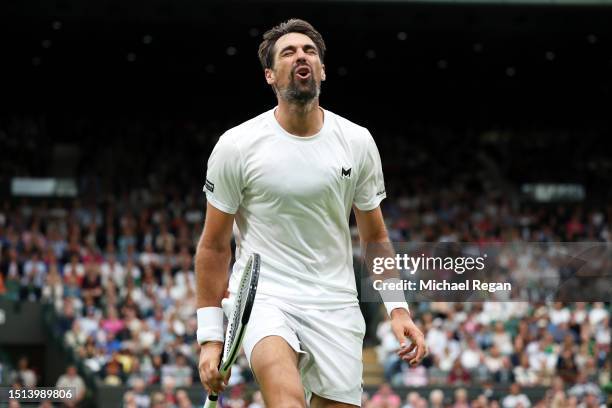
{"x": 209, "y": 186}
{"x": 345, "y": 173}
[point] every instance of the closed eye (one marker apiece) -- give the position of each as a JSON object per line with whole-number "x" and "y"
{"x": 290, "y": 50}
{"x": 310, "y": 49}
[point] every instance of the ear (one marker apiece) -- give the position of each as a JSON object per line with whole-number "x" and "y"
{"x": 322, "y": 72}
{"x": 270, "y": 77}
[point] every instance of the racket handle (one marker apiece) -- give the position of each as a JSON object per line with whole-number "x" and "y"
{"x": 211, "y": 401}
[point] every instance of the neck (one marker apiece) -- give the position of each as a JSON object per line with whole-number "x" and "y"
{"x": 300, "y": 119}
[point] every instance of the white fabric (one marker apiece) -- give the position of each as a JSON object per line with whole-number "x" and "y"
{"x": 329, "y": 344}
{"x": 292, "y": 197}
{"x": 391, "y": 306}
{"x": 210, "y": 324}
{"x": 560, "y": 316}
{"x": 512, "y": 401}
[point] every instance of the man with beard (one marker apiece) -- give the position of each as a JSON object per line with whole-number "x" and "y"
{"x": 289, "y": 179}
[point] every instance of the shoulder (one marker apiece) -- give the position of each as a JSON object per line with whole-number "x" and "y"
{"x": 243, "y": 133}
{"x": 349, "y": 130}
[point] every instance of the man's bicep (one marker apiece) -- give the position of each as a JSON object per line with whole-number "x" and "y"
{"x": 371, "y": 225}
{"x": 370, "y": 188}
{"x": 218, "y": 225}
{"x": 224, "y": 176}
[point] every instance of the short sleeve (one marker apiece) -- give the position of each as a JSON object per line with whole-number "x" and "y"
{"x": 370, "y": 189}
{"x": 224, "y": 181}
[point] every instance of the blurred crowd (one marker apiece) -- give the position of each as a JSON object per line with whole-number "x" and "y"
{"x": 121, "y": 282}
{"x": 556, "y": 396}
{"x": 120, "y": 276}
{"x": 561, "y": 347}
{"x": 117, "y": 267}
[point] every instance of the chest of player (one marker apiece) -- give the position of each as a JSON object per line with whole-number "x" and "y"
{"x": 314, "y": 172}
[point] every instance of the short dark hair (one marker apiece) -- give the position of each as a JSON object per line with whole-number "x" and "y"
{"x": 294, "y": 25}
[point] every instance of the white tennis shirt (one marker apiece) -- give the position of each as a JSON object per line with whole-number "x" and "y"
{"x": 292, "y": 199}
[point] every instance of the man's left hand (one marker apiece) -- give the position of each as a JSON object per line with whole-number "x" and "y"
{"x": 404, "y": 328}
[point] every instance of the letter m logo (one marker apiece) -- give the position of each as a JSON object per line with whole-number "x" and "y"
{"x": 345, "y": 173}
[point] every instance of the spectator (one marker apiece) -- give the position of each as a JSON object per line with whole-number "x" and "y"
{"x": 385, "y": 397}
{"x": 472, "y": 356}
{"x": 257, "y": 400}
{"x": 461, "y": 399}
{"x": 180, "y": 372}
{"x": 113, "y": 373}
{"x": 90, "y": 322}
{"x": 412, "y": 400}
{"x": 129, "y": 400}
{"x": 481, "y": 402}
{"x": 597, "y": 314}
{"x": 502, "y": 339}
{"x": 140, "y": 398}
{"x": 112, "y": 270}
{"x": 158, "y": 400}
{"x": 542, "y": 358}
{"x": 92, "y": 284}
{"x": 182, "y": 399}
{"x": 436, "y": 399}
{"x": 414, "y": 376}
{"x": 583, "y": 387}
{"x": 559, "y": 314}
{"x": 591, "y": 400}
{"x": 25, "y": 374}
{"x": 168, "y": 387}
{"x": 515, "y": 399}
{"x": 438, "y": 372}
{"x": 74, "y": 270}
{"x": 72, "y": 379}
{"x": 523, "y": 374}
{"x": 33, "y": 280}
{"x": 53, "y": 290}
{"x": 566, "y": 366}
{"x": 67, "y": 315}
{"x": 458, "y": 375}
{"x": 112, "y": 323}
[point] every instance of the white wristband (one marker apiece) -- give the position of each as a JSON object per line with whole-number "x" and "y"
{"x": 393, "y": 299}
{"x": 210, "y": 324}
{"x": 391, "y": 306}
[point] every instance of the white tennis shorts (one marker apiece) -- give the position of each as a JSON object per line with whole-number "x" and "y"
{"x": 329, "y": 343}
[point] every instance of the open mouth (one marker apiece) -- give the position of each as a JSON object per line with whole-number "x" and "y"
{"x": 303, "y": 72}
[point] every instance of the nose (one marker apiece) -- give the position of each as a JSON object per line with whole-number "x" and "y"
{"x": 300, "y": 54}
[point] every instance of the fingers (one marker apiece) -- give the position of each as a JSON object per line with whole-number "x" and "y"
{"x": 421, "y": 352}
{"x": 414, "y": 353}
{"x": 210, "y": 377}
{"x": 227, "y": 376}
{"x": 406, "y": 350}
{"x": 398, "y": 331}
{"x": 212, "y": 380}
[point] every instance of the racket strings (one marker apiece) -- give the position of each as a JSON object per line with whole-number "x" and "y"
{"x": 238, "y": 308}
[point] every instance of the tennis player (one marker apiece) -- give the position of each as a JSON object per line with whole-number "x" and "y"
{"x": 289, "y": 178}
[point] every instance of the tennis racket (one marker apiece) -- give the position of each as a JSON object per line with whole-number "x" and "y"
{"x": 238, "y": 320}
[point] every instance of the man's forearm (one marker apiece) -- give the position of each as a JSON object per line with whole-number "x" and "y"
{"x": 211, "y": 268}
{"x": 380, "y": 247}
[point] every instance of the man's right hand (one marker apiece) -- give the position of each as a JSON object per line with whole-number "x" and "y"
{"x": 210, "y": 355}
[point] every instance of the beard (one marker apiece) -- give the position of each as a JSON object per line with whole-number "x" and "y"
{"x": 300, "y": 92}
